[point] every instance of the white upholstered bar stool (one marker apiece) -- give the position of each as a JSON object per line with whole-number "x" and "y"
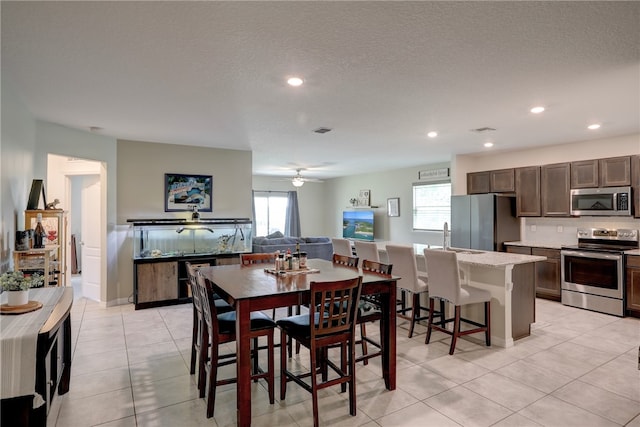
{"x": 445, "y": 284}
{"x": 341, "y": 247}
{"x": 403, "y": 260}
{"x": 367, "y": 250}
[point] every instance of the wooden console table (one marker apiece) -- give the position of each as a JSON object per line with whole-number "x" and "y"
{"x": 52, "y": 366}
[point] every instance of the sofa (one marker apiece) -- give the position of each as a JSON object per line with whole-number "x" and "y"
{"x": 315, "y": 247}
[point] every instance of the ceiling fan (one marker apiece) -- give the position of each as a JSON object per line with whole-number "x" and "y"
{"x": 298, "y": 180}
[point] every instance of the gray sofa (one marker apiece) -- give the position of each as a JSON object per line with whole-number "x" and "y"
{"x": 315, "y": 247}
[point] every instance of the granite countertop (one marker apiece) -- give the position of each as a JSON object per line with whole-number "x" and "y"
{"x": 535, "y": 244}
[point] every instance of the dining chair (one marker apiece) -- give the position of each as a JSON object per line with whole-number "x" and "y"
{"x": 346, "y": 260}
{"x": 260, "y": 258}
{"x": 220, "y": 329}
{"x": 341, "y": 246}
{"x": 370, "y": 310}
{"x": 403, "y": 260}
{"x": 367, "y": 250}
{"x": 330, "y": 321}
{"x": 198, "y": 320}
{"x": 445, "y": 284}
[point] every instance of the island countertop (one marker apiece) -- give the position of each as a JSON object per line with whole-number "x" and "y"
{"x": 475, "y": 257}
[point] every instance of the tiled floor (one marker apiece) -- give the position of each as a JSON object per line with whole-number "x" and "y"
{"x": 579, "y": 368}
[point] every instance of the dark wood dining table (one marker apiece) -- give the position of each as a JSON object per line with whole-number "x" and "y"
{"x": 251, "y": 288}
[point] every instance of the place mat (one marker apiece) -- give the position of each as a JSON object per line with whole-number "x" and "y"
{"x": 20, "y": 309}
{"x": 291, "y": 272}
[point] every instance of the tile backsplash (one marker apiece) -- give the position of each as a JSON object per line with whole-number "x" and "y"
{"x": 564, "y": 230}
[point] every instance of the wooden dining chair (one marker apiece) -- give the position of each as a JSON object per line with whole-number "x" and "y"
{"x": 198, "y": 320}
{"x": 445, "y": 284}
{"x": 346, "y": 260}
{"x": 370, "y": 310}
{"x": 261, "y": 258}
{"x": 220, "y": 329}
{"x": 330, "y": 321}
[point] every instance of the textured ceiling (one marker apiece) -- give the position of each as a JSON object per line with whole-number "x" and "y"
{"x": 380, "y": 74}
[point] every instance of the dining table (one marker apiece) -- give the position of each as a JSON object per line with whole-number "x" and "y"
{"x": 257, "y": 287}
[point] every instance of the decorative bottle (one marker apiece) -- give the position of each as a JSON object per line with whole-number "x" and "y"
{"x": 39, "y": 234}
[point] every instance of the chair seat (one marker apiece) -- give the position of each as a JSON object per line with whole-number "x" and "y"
{"x": 472, "y": 295}
{"x": 222, "y": 306}
{"x": 297, "y": 326}
{"x": 259, "y": 320}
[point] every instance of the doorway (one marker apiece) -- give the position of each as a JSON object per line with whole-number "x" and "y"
{"x": 81, "y": 183}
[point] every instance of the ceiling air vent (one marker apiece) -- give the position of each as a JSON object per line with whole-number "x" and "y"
{"x": 484, "y": 129}
{"x": 322, "y": 130}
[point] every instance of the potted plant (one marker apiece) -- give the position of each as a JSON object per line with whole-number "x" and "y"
{"x": 17, "y": 286}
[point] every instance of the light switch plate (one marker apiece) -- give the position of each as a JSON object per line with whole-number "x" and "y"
{"x": 559, "y": 229}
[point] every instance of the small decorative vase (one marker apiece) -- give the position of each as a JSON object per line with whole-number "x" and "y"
{"x": 15, "y": 298}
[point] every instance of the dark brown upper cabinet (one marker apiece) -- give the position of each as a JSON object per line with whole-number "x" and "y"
{"x": 502, "y": 181}
{"x": 615, "y": 172}
{"x": 528, "y": 191}
{"x": 584, "y": 174}
{"x": 555, "y": 189}
{"x": 478, "y": 182}
{"x": 635, "y": 183}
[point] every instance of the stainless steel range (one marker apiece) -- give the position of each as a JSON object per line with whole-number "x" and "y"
{"x": 593, "y": 270}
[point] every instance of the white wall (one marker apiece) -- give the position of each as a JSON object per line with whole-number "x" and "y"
{"x": 17, "y": 144}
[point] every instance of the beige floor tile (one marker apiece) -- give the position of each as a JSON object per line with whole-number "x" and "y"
{"x": 468, "y": 408}
{"x": 504, "y": 391}
{"x": 97, "y": 409}
{"x": 455, "y": 368}
{"x": 150, "y": 396}
{"x": 192, "y": 413}
{"x": 158, "y": 369}
{"x": 122, "y": 422}
{"x": 620, "y": 376}
{"x": 516, "y": 420}
{"x": 534, "y": 376}
{"x": 550, "y": 411}
{"x": 422, "y": 383}
{"x": 599, "y": 401}
{"x": 333, "y": 411}
{"x": 160, "y": 350}
{"x": 98, "y": 362}
{"x": 635, "y": 422}
{"x": 99, "y": 382}
{"x": 489, "y": 358}
{"x": 418, "y": 414}
{"x": 376, "y": 401}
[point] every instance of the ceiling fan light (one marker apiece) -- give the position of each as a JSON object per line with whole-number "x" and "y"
{"x": 297, "y": 181}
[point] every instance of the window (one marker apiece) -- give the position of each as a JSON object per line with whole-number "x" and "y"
{"x": 270, "y": 211}
{"x": 431, "y": 205}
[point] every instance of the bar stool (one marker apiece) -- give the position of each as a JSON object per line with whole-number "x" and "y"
{"x": 341, "y": 247}
{"x": 445, "y": 284}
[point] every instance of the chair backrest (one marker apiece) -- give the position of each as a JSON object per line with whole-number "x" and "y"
{"x": 444, "y": 276}
{"x": 376, "y": 267}
{"x": 404, "y": 264}
{"x": 347, "y": 261}
{"x": 260, "y": 258}
{"x": 335, "y": 305}
{"x": 367, "y": 251}
{"x": 209, "y": 312}
{"x": 192, "y": 272}
{"x": 341, "y": 247}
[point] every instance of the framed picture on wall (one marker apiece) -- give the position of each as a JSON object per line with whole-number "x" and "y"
{"x": 183, "y": 192}
{"x": 364, "y": 198}
{"x": 393, "y": 206}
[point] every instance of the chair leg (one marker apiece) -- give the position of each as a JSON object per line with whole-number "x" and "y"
{"x": 352, "y": 379}
{"x": 314, "y": 388}
{"x": 270, "y": 364}
{"x": 430, "y": 322}
{"x": 415, "y": 312}
{"x": 442, "y": 322}
{"x": 487, "y": 322}
{"x": 213, "y": 379}
{"x": 194, "y": 340}
{"x": 344, "y": 362}
{"x": 202, "y": 360}
{"x": 456, "y": 330}
{"x": 363, "y": 342}
{"x": 283, "y": 365}
{"x": 254, "y": 353}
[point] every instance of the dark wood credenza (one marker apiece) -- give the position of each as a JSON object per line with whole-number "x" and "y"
{"x": 53, "y": 368}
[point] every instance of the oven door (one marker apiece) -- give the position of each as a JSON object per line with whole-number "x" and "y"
{"x": 596, "y": 273}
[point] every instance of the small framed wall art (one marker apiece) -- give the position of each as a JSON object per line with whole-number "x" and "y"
{"x": 364, "y": 198}
{"x": 183, "y": 192}
{"x": 393, "y": 206}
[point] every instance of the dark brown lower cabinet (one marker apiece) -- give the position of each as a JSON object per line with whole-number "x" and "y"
{"x": 633, "y": 285}
{"x": 547, "y": 272}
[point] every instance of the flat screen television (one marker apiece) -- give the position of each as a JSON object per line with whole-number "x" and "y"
{"x": 357, "y": 224}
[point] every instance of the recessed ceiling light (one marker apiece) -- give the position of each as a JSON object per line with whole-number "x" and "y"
{"x": 295, "y": 81}
{"x": 432, "y": 134}
{"x": 488, "y": 144}
{"x": 537, "y": 110}
{"x": 593, "y": 126}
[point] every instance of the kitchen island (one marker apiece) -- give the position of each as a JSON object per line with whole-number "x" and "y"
{"x": 510, "y": 278}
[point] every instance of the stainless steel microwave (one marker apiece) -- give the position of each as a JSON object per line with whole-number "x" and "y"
{"x": 607, "y": 201}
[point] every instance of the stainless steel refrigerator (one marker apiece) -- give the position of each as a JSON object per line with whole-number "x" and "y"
{"x": 483, "y": 221}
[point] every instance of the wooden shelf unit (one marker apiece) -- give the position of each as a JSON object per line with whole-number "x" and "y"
{"x": 38, "y": 260}
{"x": 54, "y": 222}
